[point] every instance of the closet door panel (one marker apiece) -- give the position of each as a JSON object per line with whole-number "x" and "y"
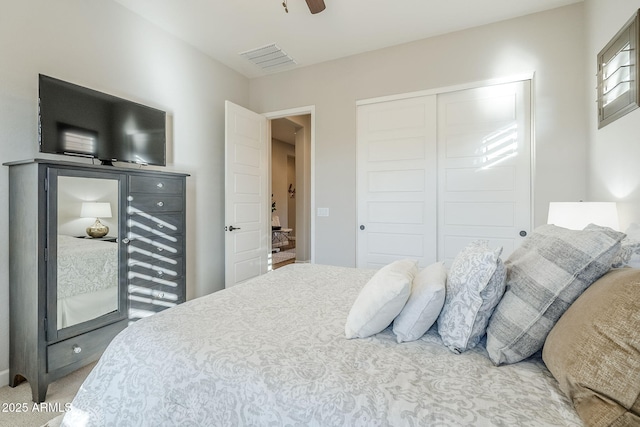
{"x": 396, "y": 175}
{"x": 484, "y": 167}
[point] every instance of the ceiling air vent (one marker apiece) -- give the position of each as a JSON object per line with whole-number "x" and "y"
{"x": 269, "y": 57}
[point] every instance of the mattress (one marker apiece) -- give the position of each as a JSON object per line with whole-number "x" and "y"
{"x": 272, "y": 351}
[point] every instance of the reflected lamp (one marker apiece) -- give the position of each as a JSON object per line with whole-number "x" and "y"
{"x": 577, "y": 215}
{"x": 96, "y": 210}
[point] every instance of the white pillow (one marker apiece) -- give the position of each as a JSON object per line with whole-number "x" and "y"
{"x": 475, "y": 285}
{"x": 381, "y": 299}
{"x": 424, "y": 304}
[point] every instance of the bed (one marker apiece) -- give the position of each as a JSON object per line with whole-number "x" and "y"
{"x": 87, "y": 279}
{"x": 273, "y": 351}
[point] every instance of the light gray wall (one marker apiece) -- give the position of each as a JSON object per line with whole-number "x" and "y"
{"x": 102, "y": 45}
{"x": 614, "y": 151}
{"x": 551, "y": 44}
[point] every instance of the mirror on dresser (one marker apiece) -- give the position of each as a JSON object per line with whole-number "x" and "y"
{"x": 86, "y": 265}
{"x": 84, "y": 283}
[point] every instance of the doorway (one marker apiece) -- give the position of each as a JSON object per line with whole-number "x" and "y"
{"x": 248, "y": 190}
{"x": 295, "y": 197}
{"x": 283, "y": 191}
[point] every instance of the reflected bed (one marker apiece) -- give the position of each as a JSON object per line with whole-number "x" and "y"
{"x": 87, "y": 279}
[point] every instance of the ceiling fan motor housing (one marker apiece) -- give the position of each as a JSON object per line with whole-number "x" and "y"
{"x": 316, "y": 6}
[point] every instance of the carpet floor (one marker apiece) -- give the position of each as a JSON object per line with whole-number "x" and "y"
{"x": 283, "y": 256}
{"x": 18, "y": 410}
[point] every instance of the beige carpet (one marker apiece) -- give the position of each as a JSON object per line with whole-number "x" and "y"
{"x": 18, "y": 410}
{"x": 283, "y": 256}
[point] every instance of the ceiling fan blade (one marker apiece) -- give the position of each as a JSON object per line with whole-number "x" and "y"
{"x": 316, "y": 6}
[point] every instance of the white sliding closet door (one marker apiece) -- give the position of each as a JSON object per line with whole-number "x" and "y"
{"x": 484, "y": 167}
{"x": 438, "y": 171}
{"x": 396, "y": 174}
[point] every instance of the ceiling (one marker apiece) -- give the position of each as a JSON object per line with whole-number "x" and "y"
{"x": 224, "y": 29}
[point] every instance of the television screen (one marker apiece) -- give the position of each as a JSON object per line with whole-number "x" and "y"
{"x": 78, "y": 121}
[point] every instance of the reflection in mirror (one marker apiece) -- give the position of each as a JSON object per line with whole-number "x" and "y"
{"x": 87, "y": 267}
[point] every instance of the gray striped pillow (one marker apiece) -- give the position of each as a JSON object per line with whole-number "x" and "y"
{"x": 545, "y": 275}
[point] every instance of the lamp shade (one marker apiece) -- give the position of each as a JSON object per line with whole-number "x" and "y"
{"x": 577, "y": 215}
{"x": 95, "y": 210}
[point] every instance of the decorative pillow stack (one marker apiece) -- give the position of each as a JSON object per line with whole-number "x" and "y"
{"x": 551, "y": 268}
{"x": 475, "y": 285}
{"x": 594, "y": 351}
{"x": 424, "y": 304}
{"x": 381, "y": 299}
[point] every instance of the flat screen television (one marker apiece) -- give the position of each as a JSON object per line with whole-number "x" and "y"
{"x": 79, "y": 121}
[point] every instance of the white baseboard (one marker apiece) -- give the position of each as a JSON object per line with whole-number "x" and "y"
{"x": 4, "y": 378}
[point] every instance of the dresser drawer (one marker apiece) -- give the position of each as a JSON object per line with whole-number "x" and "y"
{"x": 154, "y": 245}
{"x": 156, "y": 292}
{"x": 140, "y": 307}
{"x": 155, "y": 203}
{"x": 148, "y": 298}
{"x": 158, "y": 224}
{"x": 149, "y": 267}
{"x": 155, "y": 184}
{"x": 169, "y": 285}
{"x": 82, "y": 347}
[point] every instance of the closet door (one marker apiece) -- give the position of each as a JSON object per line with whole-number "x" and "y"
{"x": 396, "y": 174}
{"x": 439, "y": 171}
{"x": 484, "y": 167}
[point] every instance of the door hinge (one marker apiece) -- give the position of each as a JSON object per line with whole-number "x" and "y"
{"x": 45, "y": 323}
{"x": 46, "y": 184}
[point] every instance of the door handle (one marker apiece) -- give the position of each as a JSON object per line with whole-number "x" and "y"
{"x": 362, "y": 227}
{"x": 231, "y": 228}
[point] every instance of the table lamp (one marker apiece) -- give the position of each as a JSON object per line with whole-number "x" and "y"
{"x": 96, "y": 210}
{"x": 577, "y": 215}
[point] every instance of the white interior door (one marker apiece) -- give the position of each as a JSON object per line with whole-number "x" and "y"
{"x": 247, "y": 224}
{"x": 396, "y": 175}
{"x": 484, "y": 167}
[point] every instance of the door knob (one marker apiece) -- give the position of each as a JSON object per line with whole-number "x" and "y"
{"x": 362, "y": 227}
{"x": 523, "y": 233}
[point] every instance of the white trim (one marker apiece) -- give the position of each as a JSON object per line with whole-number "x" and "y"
{"x": 532, "y": 99}
{"x": 4, "y": 378}
{"x": 440, "y": 90}
{"x": 299, "y": 111}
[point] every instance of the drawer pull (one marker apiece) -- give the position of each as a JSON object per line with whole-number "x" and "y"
{"x": 161, "y": 204}
{"x": 160, "y": 185}
{"x": 76, "y": 349}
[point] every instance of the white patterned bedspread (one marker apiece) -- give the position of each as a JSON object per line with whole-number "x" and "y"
{"x": 85, "y": 265}
{"x": 273, "y": 352}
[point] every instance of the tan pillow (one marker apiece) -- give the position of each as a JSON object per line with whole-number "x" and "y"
{"x": 594, "y": 351}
